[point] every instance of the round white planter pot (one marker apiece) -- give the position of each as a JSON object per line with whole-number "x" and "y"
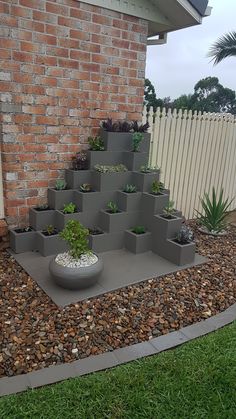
{"x": 75, "y": 278}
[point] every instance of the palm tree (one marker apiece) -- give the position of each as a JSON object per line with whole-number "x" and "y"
{"x": 224, "y": 47}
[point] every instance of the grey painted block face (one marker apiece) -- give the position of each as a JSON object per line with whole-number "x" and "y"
{"x": 166, "y": 228}
{"x": 180, "y": 254}
{"x": 138, "y": 243}
{"x": 41, "y": 219}
{"x": 91, "y": 201}
{"x": 88, "y": 219}
{"x": 22, "y": 242}
{"x": 154, "y": 204}
{"x": 134, "y": 160}
{"x": 110, "y": 181}
{"x": 106, "y": 242}
{"x": 57, "y": 199}
{"x": 129, "y": 201}
{"x": 144, "y": 181}
{"x": 118, "y": 222}
{"x": 122, "y": 141}
{"x": 75, "y": 178}
{"x": 104, "y": 158}
{"x": 50, "y": 245}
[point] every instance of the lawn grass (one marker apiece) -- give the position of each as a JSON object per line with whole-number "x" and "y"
{"x": 196, "y": 380}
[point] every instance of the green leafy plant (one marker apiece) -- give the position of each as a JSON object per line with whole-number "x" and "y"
{"x": 169, "y": 210}
{"x": 110, "y": 169}
{"x": 130, "y": 188}
{"x": 60, "y": 185}
{"x": 157, "y": 187}
{"x": 69, "y": 208}
{"x": 85, "y": 187}
{"x": 112, "y": 207}
{"x": 145, "y": 168}
{"x": 139, "y": 230}
{"x": 76, "y": 235}
{"x": 137, "y": 138}
{"x": 96, "y": 143}
{"x": 214, "y": 212}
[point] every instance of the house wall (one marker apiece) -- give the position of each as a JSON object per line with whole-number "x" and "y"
{"x": 64, "y": 66}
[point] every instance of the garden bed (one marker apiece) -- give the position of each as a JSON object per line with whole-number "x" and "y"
{"x": 36, "y": 333}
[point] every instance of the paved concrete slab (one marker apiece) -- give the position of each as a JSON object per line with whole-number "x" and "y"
{"x": 121, "y": 268}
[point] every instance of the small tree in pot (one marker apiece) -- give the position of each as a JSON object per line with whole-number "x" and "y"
{"x": 79, "y": 267}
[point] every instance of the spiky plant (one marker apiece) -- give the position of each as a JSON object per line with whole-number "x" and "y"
{"x": 214, "y": 212}
{"x": 224, "y": 47}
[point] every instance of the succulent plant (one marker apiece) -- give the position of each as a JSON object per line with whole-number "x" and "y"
{"x": 110, "y": 169}
{"x": 96, "y": 143}
{"x": 69, "y": 208}
{"x": 137, "y": 138}
{"x": 85, "y": 187}
{"x": 169, "y": 210}
{"x": 80, "y": 161}
{"x": 112, "y": 207}
{"x": 145, "y": 168}
{"x": 60, "y": 185}
{"x": 130, "y": 188}
{"x": 157, "y": 187}
{"x": 185, "y": 235}
{"x": 139, "y": 230}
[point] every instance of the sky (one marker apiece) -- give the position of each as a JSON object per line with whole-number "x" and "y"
{"x": 174, "y": 68}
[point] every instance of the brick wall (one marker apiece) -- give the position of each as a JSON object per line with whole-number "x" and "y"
{"x": 64, "y": 66}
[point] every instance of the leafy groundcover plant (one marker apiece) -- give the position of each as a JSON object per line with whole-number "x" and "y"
{"x": 130, "y": 188}
{"x": 69, "y": 208}
{"x": 96, "y": 143}
{"x": 157, "y": 187}
{"x": 139, "y": 230}
{"x": 214, "y": 212}
{"x": 76, "y": 235}
{"x": 110, "y": 169}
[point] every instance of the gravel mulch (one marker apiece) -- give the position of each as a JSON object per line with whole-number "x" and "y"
{"x": 35, "y": 333}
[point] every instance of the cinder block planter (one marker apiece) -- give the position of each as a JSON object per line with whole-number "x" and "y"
{"x": 57, "y": 199}
{"x": 180, "y": 254}
{"x": 104, "y": 158}
{"x": 122, "y": 141}
{"x": 138, "y": 243}
{"x": 88, "y": 201}
{"x": 154, "y": 204}
{"x": 165, "y": 228}
{"x": 129, "y": 201}
{"x": 112, "y": 223}
{"x": 23, "y": 242}
{"x": 144, "y": 181}
{"x": 134, "y": 160}
{"x": 87, "y": 218}
{"x": 50, "y": 245}
{"x": 110, "y": 181}
{"x": 75, "y": 178}
{"x": 41, "y": 219}
{"x": 106, "y": 241}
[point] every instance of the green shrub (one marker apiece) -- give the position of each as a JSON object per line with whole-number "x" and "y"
{"x": 157, "y": 187}
{"x": 76, "y": 236}
{"x": 214, "y": 212}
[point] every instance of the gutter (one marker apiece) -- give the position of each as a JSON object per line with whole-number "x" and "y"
{"x": 161, "y": 40}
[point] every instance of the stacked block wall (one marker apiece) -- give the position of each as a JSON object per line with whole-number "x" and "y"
{"x": 64, "y": 66}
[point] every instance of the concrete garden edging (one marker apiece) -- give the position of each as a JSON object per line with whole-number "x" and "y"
{"x": 56, "y": 373}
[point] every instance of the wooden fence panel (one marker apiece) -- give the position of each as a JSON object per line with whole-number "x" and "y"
{"x": 195, "y": 152}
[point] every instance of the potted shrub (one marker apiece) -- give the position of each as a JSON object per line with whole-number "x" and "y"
{"x": 212, "y": 219}
{"x": 79, "y": 267}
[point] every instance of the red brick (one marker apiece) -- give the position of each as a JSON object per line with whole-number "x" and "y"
{"x": 8, "y": 44}
{"x": 45, "y": 39}
{"x": 57, "y": 9}
{"x": 21, "y": 11}
{"x": 80, "y": 55}
{"x": 102, "y": 20}
{"x": 44, "y": 17}
{"x": 80, "y": 14}
{"x": 46, "y": 120}
{"x": 81, "y": 35}
{"x": 22, "y": 56}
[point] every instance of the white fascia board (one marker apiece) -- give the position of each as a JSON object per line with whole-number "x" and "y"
{"x": 144, "y": 9}
{"x": 190, "y": 9}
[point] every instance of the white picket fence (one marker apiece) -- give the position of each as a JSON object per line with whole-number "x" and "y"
{"x": 195, "y": 152}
